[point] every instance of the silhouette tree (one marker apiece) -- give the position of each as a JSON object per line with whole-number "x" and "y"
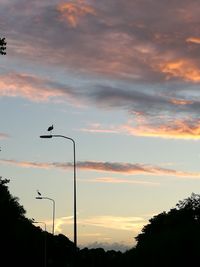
{"x": 22, "y": 243}
{"x": 3, "y": 44}
{"x": 172, "y": 238}
{"x": 98, "y": 257}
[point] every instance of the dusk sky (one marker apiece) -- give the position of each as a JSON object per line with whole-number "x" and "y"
{"x": 120, "y": 77}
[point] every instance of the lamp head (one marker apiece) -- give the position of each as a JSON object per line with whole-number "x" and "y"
{"x": 46, "y": 136}
{"x": 39, "y": 198}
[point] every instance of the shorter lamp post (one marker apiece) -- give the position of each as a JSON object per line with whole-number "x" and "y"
{"x": 53, "y": 201}
{"x": 45, "y": 241}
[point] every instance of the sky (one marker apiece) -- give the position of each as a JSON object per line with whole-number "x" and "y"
{"x": 122, "y": 79}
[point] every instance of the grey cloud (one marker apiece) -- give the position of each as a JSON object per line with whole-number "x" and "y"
{"x": 151, "y": 102}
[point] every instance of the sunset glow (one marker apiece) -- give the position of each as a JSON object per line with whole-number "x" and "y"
{"x": 121, "y": 78}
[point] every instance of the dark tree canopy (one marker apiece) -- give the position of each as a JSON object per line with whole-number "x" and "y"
{"x": 9, "y": 205}
{"x": 169, "y": 239}
{"x": 172, "y": 236}
{"x": 3, "y": 44}
{"x": 22, "y": 243}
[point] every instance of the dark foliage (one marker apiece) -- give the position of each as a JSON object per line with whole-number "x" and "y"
{"x": 169, "y": 239}
{"x": 3, "y": 44}
{"x": 22, "y": 243}
{"x": 172, "y": 238}
{"x": 98, "y": 257}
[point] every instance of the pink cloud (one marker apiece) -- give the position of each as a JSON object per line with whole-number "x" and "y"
{"x": 32, "y": 88}
{"x": 112, "y": 167}
{"x": 4, "y": 136}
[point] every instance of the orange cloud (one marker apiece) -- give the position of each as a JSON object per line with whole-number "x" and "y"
{"x": 181, "y": 102}
{"x": 34, "y": 88}
{"x": 72, "y": 12}
{"x": 180, "y": 129}
{"x": 181, "y": 69}
{"x": 27, "y": 86}
{"x": 195, "y": 40}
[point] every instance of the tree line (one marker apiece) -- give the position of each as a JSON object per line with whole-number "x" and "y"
{"x": 170, "y": 238}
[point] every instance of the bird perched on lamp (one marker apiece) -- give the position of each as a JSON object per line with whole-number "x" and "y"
{"x": 50, "y": 128}
{"x": 39, "y": 194}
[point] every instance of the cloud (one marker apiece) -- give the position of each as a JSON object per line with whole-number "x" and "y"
{"x": 33, "y": 88}
{"x": 148, "y": 101}
{"x": 132, "y": 169}
{"x": 113, "y": 180}
{"x": 138, "y": 56}
{"x": 115, "y": 222}
{"x": 98, "y": 226}
{"x": 152, "y": 114}
{"x": 110, "y": 222}
{"x": 195, "y": 40}
{"x": 4, "y": 136}
{"x": 60, "y": 222}
{"x": 26, "y": 164}
{"x": 181, "y": 68}
{"x": 97, "y": 128}
{"x": 72, "y": 12}
{"x": 111, "y": 167}
{"x": 119, "y": 38}
{"x": 178, "y": 129}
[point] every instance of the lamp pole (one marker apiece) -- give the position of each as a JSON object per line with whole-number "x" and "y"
{"x": 53, "y": 201}
{"x": 74, "y": 152}
{"x": 45, "y": 241}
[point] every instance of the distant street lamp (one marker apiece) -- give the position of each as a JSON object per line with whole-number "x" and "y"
{"x": 45, "y": 241}
{"x": 74, "y": 150}
{"x": 53, "y": 201}
{"x": 45, "y": 226}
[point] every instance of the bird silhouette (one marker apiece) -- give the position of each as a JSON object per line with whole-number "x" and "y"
{"x": 50, "y": 128}
{"x": 39, "y": 193}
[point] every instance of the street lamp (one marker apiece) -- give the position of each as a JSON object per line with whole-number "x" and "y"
{"x": 45, "y": 226}
{"x": 74, "y": 150}
{"x": 40, "y": 197}
{"x": 45, "y": 241}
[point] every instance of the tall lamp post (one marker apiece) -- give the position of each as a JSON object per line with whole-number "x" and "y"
{"x": 53, "y": 201}
{"x": 74, "y": 150}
